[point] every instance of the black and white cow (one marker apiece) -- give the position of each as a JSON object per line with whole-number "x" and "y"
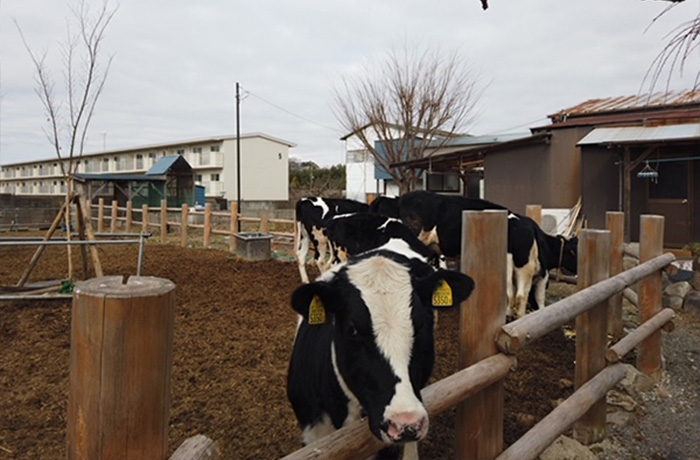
{"x": 531, "y": 254}
{"x": 352, "y": 234}
{"x": 437, "y": 219}
{"x": 385, "y": 205}
{"x": 312, "y": 215}
{"x": 365, "y": 347}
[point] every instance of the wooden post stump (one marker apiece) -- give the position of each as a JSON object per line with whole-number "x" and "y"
{"x": 115, "y": 213}
{"x": 207, "y": 226}
{"x": 534, "y": 212}
{"x": 234, "y": 228}
{"x": 100, "y": 216}
{"x": 163, "y": 220}
{"x": 480, "y": 418}
{"x": 184, "y": 225}
{"x": 592, "y": 330}
{"x": 651, "y": 243}
{"x": 615, "y": 222}
{"x": 120, "y": 362}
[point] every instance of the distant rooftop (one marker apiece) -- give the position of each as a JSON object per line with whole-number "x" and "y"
{"x": 625, "y": 103}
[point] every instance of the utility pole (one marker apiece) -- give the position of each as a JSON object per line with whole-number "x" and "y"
{"x": 238, "y": 152}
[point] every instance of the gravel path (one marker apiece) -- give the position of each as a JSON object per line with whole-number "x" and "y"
{"x": 666, "y": 424}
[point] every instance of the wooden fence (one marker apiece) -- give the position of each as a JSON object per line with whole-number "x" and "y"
{"x": 488, "y": 346}
{"x": 213, "y": 222}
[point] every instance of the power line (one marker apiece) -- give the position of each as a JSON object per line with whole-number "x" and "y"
{"x": 292, "y": 113}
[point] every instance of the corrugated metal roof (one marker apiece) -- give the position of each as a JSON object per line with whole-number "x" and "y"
{"x": 620, "y": 103}
{"x": 633, "y": 134}
{"x": 162, "y": 166}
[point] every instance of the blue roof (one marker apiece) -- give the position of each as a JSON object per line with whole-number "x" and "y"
{"x": 162, "y": 166}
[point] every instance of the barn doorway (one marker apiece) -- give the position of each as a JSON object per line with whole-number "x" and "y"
{"x": 670, "y": 195}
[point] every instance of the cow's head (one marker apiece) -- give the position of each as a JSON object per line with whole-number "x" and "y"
{"x": 380, "y": 307}
{"x": 569, "y": 254}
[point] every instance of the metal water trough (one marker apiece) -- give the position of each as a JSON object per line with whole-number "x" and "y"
{"x": 253, "y": 246}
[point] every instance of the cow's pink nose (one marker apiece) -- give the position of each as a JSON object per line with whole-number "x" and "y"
{"x": 407, "y": 427}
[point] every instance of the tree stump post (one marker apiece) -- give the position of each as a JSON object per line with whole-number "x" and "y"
{"x": 184, "y": 225}
{"x": 651, "y": 238}
{"x": 615, "y": 222}
{"x": 100, "y": 215}
{"x": 480, "y": 418}
{"x": 120, "y": 365}
{"x": 115, "y": 213}
{"x": 592, "y": 330}
{"x": 534, "y": 212}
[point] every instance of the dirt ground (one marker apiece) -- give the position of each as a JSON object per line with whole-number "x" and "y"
{"x": 233, "y": 335}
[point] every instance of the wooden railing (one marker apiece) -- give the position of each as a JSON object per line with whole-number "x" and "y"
{"x": 122, "y": 219}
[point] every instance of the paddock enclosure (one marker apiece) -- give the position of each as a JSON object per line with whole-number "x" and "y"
{"x": 233, "y": 336}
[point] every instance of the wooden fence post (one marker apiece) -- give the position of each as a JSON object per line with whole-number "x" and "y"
{"x": 615, "y": 222}
{"x": 592, "y": 330}
{"x": 163, "y": 220}
{"x": 113, "y": 222}
{"x": 651, "y": 243}
{"x": 100, "y": 216}
{"x": 129, "y": 216}
{"x": 144, "y": 218}
{"x": 534, "y": 212}
{"x": 207, "y": 225}
{"x": 183, "y": 226}
{"x": 480, "y": 418}
{"x": 264, "y": 222}
{"x": 120, "y": 366}
{"x": 232, "y": 243}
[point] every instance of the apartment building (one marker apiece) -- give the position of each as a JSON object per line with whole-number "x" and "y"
{"x": 264, "y": 164}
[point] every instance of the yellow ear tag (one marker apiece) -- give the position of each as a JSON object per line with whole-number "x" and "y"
{"x": 317, "y": 312}
{"x": 442, "y": 296}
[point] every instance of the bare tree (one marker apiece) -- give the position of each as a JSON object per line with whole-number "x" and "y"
{"x": 674, "y": 57}
{"x": 69, "y": 116}
{"x": 400, "y": 107}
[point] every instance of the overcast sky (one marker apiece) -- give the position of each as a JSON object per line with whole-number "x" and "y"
{"x": 176, "y": 63}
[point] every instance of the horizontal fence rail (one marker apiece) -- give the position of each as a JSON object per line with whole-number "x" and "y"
{"x": 517, "y": 334}
{"x": 206, "y": 221}
{"x": 356, "y": 441}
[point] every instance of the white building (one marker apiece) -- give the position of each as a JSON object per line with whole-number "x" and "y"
{"x": 364, "y": 180}
{"x": 264, "y": 165}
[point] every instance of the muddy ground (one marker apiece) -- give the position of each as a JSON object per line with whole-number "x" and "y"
{"x": 233, "y": 334}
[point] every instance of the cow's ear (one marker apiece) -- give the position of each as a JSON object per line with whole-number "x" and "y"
{"x": 312, "y": 301}
{"x": 444, "y": 288}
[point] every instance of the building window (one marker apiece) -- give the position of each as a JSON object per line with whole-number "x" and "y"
{"x": 139, "y": 161}
{"x": 196, "y": 149}
{"x": 215, "y": 178}
{"x": 105, "y": 164}
{"x": 198, "y": 178}
{"x": 215, "y": 148}
{"x": 443, "y": 183}
{"x": 180, "y": 151}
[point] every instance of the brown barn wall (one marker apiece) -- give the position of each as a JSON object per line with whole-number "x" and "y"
{"x": 600, "y": 184}
{"x": 545, "y": 174}
{"x": 514, "y": 178}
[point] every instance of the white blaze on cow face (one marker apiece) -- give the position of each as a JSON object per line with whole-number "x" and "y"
{"x": 387, "y": 291}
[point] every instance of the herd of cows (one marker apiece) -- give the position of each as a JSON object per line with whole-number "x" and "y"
{"x": 364, "y": 345}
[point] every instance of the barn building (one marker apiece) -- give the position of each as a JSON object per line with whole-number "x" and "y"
{"x": 637, "y": 154}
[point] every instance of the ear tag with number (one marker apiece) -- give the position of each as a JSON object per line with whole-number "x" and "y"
{"x": 442, "y": 296}
{"x": 317, "y": 312}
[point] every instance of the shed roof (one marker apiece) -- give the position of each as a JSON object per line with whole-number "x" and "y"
{"x": 117, "y": 177}
{"x": 639, "y": 134}
{"x": 162, "y": 166}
